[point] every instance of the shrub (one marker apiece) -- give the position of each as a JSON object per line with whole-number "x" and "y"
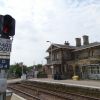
{"x": 41, "y": 75}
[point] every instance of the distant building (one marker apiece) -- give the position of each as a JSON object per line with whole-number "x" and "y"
{"x": 82, "y": 60}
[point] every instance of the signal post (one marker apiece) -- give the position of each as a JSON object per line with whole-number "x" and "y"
{"x": 7, "y": 31}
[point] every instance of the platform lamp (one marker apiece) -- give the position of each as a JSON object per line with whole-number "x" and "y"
{"x": 52, "y": 67}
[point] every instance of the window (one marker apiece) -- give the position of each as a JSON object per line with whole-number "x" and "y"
{"x": 57, "y": 55}
{"x": 98, "y": 69}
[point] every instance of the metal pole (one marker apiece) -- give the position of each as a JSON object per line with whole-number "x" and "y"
{"x": 3, "y": 78}
{"x": 22, "y": 70}
{"x": 3, "y": 96}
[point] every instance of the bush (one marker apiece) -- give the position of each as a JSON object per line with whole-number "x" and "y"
{"x": 41, "y": 75}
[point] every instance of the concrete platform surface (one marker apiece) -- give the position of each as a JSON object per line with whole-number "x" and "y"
{"x": 13, "y": 80}
{"x": 16, "y": 97}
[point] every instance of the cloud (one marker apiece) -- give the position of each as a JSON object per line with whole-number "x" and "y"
{"x": 56, "y": 20}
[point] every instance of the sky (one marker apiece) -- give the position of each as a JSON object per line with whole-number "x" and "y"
{"x": 38, "y": 21}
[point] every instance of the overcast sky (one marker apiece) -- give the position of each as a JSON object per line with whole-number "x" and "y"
{"x": 38, "y": 21}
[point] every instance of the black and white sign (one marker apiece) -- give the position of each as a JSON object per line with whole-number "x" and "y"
{"x": 5, "y": 45}
{"x": 4, "y": 63}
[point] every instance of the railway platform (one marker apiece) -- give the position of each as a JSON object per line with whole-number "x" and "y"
{"x": 81, "y": 83}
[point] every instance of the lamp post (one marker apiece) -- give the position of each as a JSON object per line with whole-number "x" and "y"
{"x": 52, "y": 68}
{"x": 21, "y": 65}
{"x": 23, "y": 75}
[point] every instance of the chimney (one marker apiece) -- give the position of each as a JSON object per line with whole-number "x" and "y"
{"x": 85, "y": 40}
{"x": 78, "y": 42}
{"x": 66, "y": 43}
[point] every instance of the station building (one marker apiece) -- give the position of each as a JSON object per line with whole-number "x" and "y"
{"x": 67, "y": 61}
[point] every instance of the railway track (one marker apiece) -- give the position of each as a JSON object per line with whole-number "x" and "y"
{"x": 34, "y": 92}
{"x": 23, "y": 94}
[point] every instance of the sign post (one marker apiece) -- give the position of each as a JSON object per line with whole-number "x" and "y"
{"x": 5, "y": 49}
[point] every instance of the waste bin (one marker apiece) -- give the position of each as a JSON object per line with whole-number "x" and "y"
{"x": 57, "y": 76}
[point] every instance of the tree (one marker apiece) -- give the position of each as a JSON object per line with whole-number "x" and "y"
{"x": 16, "y": 69}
